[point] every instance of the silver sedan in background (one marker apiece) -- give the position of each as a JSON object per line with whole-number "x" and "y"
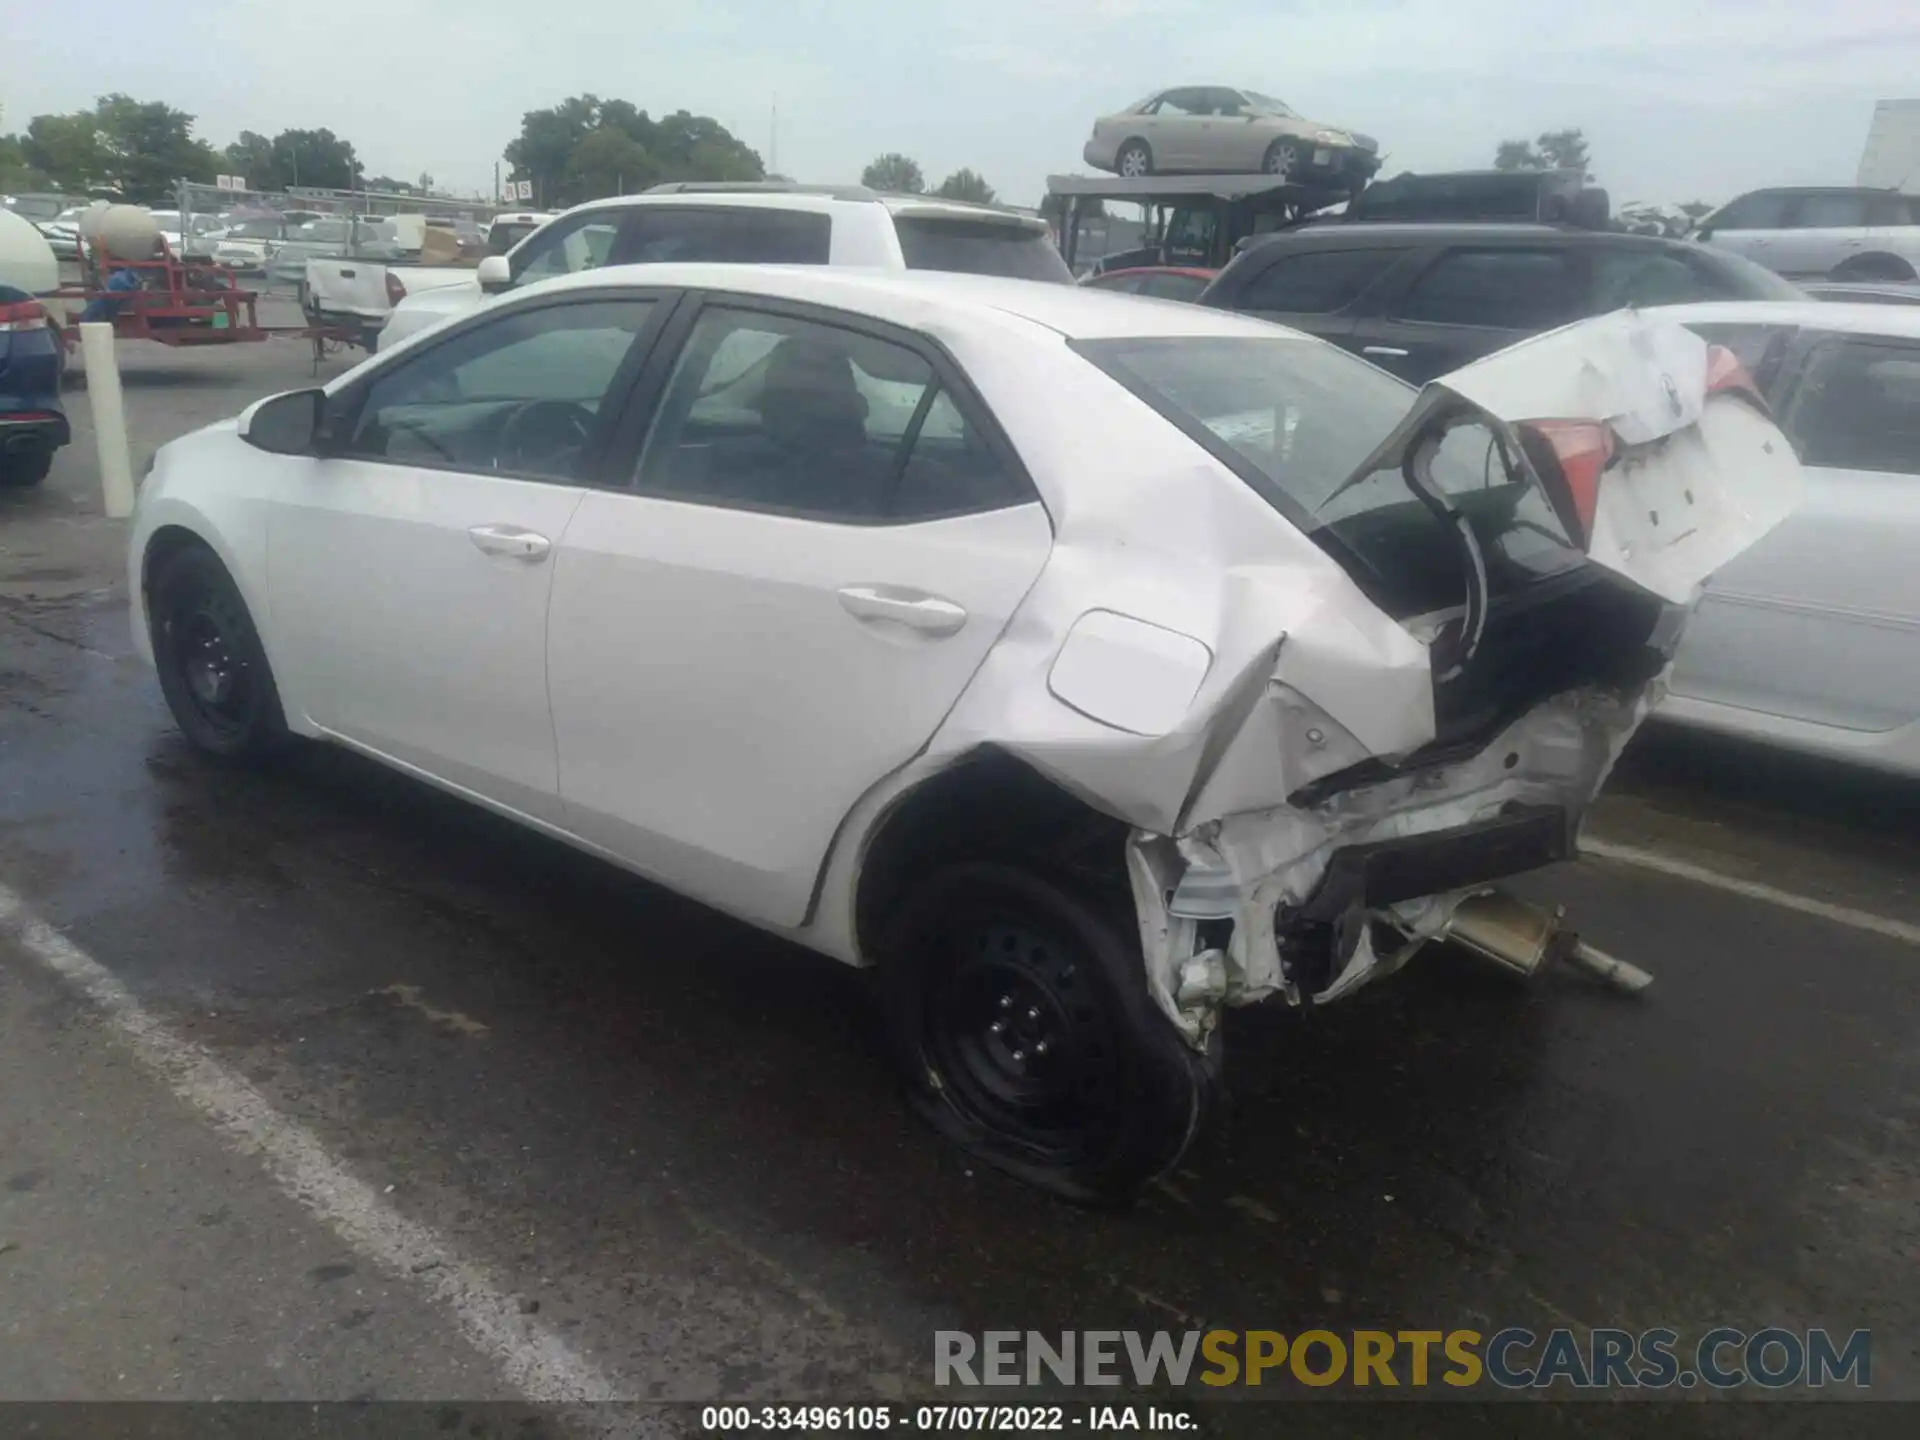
{"x": 1811, "y": 640}
{"x": 1215, "y": 129}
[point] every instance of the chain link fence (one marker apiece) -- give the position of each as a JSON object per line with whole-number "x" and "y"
{"x": 268, "y": 235}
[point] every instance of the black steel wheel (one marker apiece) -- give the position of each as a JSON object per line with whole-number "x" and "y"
{"x": 212, "y": 668}
{"x": 1020, "y": 1016}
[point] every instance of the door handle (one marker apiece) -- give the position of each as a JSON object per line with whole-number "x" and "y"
{"x": 1391, "y": 351}
{"x": 915, "y": 609}
{"x": 511, "y": 542}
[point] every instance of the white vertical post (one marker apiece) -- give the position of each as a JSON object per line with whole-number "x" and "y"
{"x": 109, "y": 418}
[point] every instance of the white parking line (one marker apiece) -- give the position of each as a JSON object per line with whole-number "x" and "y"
{"x": 532, "y": 1359}
{"x": 1751, "y": 889}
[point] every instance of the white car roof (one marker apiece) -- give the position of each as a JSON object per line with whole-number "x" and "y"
{"x": 920, "y": 298}
{"x": 1894, "y": 321}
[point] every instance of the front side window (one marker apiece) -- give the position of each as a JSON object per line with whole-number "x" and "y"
{"x": 1511, "y": 289}
{"x": 1859, "y": 408}
{"x": 1652, "y": 277}
{"x": 1763, "y": 210}
{"x": 520, "y": 394}
{"x": 568, "y": 250}
{"x": 767, "y": 412}
{"x": 1317, "y": 282}
{"x": 1183, "y": 102}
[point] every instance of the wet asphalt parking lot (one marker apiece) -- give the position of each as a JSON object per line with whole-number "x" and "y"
{"x": 316, "y": 1084}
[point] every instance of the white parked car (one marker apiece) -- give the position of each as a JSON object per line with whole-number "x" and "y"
{"x": 1811, "y": 640}
{"x": 1832, "y": 233}
{"x": 1082, "y": 663}
{"x": 761, "y": 223}
{"x": 247, "y": 245}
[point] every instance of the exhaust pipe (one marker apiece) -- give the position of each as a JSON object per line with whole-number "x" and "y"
{"x": 1522, "y": 939}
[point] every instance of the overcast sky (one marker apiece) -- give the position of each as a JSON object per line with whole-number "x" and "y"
{"x": 1679, "y": 100}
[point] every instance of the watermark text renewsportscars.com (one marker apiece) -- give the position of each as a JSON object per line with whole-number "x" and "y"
{"x": 1513, "y": 1358}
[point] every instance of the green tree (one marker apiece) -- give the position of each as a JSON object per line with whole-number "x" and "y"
{"x": 965, "y": 184}
{"x": 1551, "y": 150}
{"x": 624, "y": 148}
{"x": 317, "y": 158}
{"x": 67, "y": 150}
{"x": 149, "y": 146}
{"x": 251, "y": 158}
{"x": 388, "y": 183}
{"x": 608, "y": 161}
{"x": 895, "y": 172}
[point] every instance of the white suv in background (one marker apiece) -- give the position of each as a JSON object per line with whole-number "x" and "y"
{"x": 1830, "y": 233}
{"x": 763, "y": 223}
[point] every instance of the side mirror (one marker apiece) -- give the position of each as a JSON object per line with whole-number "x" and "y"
{"x": 495, "y": 274}
{"x": 286, "y": 424}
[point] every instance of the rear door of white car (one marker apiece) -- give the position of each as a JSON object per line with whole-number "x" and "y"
{"x": 1820, "y": 621}
{"x": 410, "y": 564}
{"x": 825, "y": 534}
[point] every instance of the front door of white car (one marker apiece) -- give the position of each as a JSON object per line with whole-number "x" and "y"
{"x": 1820, "y": 621}
{"x": 823, "y": 539}
{"x": 409, "y": 566}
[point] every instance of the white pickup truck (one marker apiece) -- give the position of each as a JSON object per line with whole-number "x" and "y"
{"x": 771, "y": 222}
{"x": 360, "y": 295}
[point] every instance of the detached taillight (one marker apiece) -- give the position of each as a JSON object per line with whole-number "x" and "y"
{"x": 23, "y": 315}
{"x": 396, "y": 292}
{"x": 1727, "y": 376}
{"x": 1569, "y": 456}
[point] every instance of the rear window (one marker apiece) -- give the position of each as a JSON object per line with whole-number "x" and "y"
{"x": 740, "y": 234}
{"x": 1458, "y": 197}
{"x": 980, "y": 247}
{"x": 506, "y": 234}
{"x": 1296, "y": 418}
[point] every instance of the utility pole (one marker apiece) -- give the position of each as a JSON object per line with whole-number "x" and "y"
{"x": 773, "y": 138}
{"x": 496, "y": 182}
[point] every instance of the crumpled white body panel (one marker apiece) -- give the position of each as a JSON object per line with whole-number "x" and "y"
{"x": 1308, "y": 676}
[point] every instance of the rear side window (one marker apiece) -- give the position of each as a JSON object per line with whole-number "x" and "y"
{"x": 1830, "y": 212}
{"x": 742, "y": 235}
{"x": 1653, "y": 277}
{"x": 1511, "y": 289}
{"x": 980, "y": 247}
{"x": 1316, "y": 283}
{"x": 769, "y": 412}
{"x": 1859, "y": 408}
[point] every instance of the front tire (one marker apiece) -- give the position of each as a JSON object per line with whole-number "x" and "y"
{"x": 213, "y": 669}
{"x": 1281, "y": 160}
{"x": 1134, "y": 162}
{"x": 1018, "y": 1012}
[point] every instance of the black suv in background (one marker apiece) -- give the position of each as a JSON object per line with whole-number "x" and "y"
{"x": 1420, "y": 300}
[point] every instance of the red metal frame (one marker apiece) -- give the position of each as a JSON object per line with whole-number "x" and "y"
{"x": 183, "y": 303}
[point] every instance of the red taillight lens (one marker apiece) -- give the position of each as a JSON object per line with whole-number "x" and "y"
{"x": 23, "y": 315}
{"x": 1727, "y": 376}
{"x": 1569, "y": 456}
{"x": 396, "y": 292}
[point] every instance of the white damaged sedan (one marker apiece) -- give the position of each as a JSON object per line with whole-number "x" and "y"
{"x": 1082, "y": 664}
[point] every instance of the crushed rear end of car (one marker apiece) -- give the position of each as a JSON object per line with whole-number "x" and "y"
{"x": 1331, "y": 775}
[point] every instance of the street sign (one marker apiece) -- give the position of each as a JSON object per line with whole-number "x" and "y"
{"x": 523, "y": 190}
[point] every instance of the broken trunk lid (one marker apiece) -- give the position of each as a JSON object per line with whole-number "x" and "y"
{"x": 1658, "y": 469}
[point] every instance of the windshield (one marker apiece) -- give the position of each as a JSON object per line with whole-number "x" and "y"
{"x": 1271, "y": 105}
{"x": 35, "y": 207}
{"x": 980, "y": 247}
{"x": 1295, "y": 419}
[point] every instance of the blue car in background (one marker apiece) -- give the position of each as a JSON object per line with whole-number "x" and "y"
{"x": 32, "y": 424}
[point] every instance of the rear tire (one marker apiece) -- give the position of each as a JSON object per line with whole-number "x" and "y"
{"x": 213, "y": 669}
{"x": 1135, "y": 160}
{"x": 1017, "y": 1010}
{"x": 30, "y": 467}
{"x": 1873, "y": 267}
